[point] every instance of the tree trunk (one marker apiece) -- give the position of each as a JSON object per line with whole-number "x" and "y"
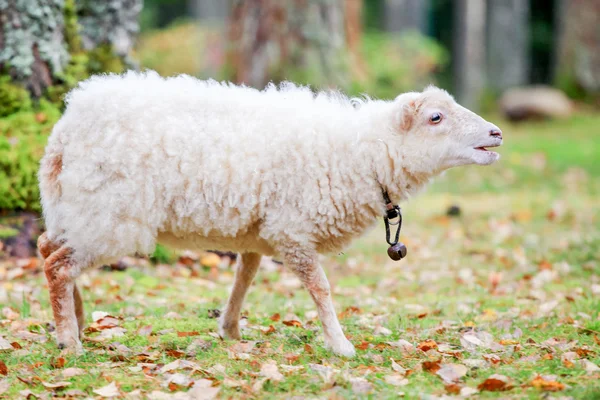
{"x": 508, "y": 43}
{"x": 33, "y": 48}
{"x": 403, "y": 15}
{"x": 287, "y": 39}
{"x": 38, "y": 37}
{"x": 210, "y": 11}
{"x": 578, "y": 54}
{"x": 113, "y": 22}
{"x": 469, "y": 51}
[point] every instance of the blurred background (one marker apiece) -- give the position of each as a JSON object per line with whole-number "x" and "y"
{"x": 530, "y": 61}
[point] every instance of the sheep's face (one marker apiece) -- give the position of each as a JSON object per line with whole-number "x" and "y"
{"x": 440, "y": 130}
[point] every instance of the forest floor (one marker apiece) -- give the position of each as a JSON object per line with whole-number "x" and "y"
{"x": 501, "y": 301}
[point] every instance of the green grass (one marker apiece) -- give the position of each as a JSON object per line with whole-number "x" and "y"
{"x": 529, "y": 223}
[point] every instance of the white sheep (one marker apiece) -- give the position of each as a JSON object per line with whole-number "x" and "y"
{"x": 138, "y": 159}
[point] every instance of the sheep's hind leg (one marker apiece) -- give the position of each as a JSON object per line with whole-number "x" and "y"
{"x": 229, "y": 324}
{"x": 61, "y": 273}
{"x": 307, "y": 268}
{"x": 79, "y": 312}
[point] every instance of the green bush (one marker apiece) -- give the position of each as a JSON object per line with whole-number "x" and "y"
{"x": 398, "y": 63}
{"x": 12, "y": 97}
{"x": 23, "y": 136}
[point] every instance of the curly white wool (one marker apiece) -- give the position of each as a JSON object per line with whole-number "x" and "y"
{"x": 204, "y": 164}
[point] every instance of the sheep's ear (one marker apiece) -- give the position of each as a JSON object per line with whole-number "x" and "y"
{"x": 407, "y": 115}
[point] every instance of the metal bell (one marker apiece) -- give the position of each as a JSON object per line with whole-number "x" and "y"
{"x": 397, "y": 252}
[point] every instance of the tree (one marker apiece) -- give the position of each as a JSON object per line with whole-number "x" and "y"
{"x": 469, "y": 51}
{"x": 288, "y": 39}
{"x": 402, "y": 15}
{"x": 508, "y": 43}
{"x": 40, "y": 40}
{"x": 578, "y": 47}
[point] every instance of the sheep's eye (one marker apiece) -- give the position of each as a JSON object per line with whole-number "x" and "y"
{"x": 436, "y": 118}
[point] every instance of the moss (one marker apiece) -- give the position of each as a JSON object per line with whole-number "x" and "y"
{"x": 12, "y": 97}
{"x": 71, "y": 27}
{"x": 103, "y": 59}
{"x": 23, "y": 136}
{"x": 8, "y": 233}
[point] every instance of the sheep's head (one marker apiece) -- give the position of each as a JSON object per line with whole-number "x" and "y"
{"x": 444, "y": 133}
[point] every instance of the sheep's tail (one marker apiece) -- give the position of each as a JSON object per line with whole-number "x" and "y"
{"x": 50, "y": 168}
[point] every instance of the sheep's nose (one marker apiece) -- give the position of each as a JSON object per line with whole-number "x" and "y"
{"x": 496, "y": 133}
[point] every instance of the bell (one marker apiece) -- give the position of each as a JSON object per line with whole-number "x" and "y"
{"x": 397, "y": 252}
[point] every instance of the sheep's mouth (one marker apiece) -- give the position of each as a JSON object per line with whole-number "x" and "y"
{"x": 483, "y": 148}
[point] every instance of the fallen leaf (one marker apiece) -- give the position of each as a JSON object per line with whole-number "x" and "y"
{"x": 5, "y": 344}
{"x": 453, "y": 388}
{"x": 145, "y": 330}
{"x": 396, "y": 380}
{"x": 547, "y": 385}
{"x": 57, "y": 385}
{"x": 275, "y": 317}
{"x": 57, "y": 363}
{"x": 186, "y": 334}
{"x": 270, "y": 371}
{"x": 4, "y": 386}
{"x": 293, "y": 323}
{"x": 431, "y": 366}
{"x": 175, "y": 353}
{"x": 360, "y": 385}
{"x": 203, "y": 389}
{"x": 3, "y": 368}
{"x": 71, "y": 372}
{"x": 452, "y": 373}
{"x": 397, "y": 367}
{"x": 495, "y": 383}
{"x": 110, "y": 390}
{"x": 427, "y": 345}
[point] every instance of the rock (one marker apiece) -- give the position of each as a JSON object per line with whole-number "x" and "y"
{"x": 535, "y": 102}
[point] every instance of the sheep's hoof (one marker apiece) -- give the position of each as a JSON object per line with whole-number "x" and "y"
{"x": 74, "y": 348}
{"x": 342, "y": 348}
{"x": 230, "y": 332}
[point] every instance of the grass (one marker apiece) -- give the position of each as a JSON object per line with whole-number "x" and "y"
{"x": 518, "y": 267}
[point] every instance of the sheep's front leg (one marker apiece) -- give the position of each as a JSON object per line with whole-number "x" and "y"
{"x": 60, "y": 274}
{"x": 313, "y": 277}
{"x": 229, "y": 324}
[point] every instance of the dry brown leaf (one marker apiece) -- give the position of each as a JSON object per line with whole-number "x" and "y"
{"x": 431, "y": 366}
{"x": 275, "y": 317}
{"x": 175, "y": 353}
{"x": 57, "y": 363}
{"x": 496, "y": 383}
{"x": 293, "y": 322}
{"x": 547, "y": 385}
{"x": 186, "y": 334}
{"x": 308, "y": 348}
{"x": 3, "y": 368}
{"x": 453, "y": 388}
{"x": 110, "y": 390}
{"x": 268, "y": 330}
{"x": 363, "y": 345}
{"x": 427, "y": 345}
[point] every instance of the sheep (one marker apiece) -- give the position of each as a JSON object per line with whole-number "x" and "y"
{"x": 138, "y": 159}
